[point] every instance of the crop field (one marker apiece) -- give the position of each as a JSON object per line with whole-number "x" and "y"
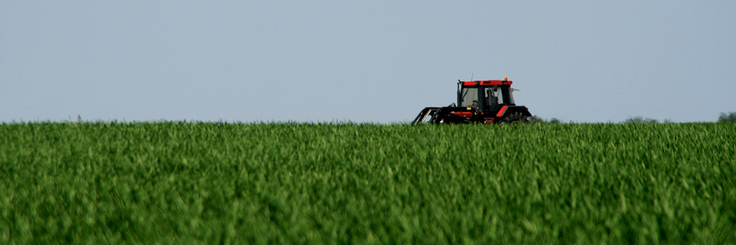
{"x": 344, "y": 183}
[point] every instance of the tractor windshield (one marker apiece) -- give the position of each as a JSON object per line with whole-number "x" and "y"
{"x": 468, "y": 95}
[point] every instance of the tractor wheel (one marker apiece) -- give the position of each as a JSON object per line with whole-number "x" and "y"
{"x": 515, "y": 118}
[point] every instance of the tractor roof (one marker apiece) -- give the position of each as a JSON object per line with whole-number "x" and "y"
{"x": 485, "y": 82}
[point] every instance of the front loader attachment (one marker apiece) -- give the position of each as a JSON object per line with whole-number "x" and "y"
{"x": 444, "y": 115}
{"x": 426, "y": 115}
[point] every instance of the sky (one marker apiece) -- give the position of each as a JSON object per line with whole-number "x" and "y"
{"x": 362, "y": 61}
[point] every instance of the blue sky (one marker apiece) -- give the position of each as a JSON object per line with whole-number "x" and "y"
{"x": 368, "y": 61}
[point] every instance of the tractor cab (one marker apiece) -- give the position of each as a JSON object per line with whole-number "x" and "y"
{"x": 486, "y": 95}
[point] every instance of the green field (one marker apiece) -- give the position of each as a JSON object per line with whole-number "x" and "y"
{"x": 230, "y": 183}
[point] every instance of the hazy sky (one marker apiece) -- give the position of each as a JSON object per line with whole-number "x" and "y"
{"x": 363, "y": 61}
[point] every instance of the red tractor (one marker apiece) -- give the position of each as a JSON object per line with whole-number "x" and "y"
{"x": 482, "y": 101}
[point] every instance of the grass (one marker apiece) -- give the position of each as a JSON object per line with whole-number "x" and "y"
{"x": 178, "y": 182}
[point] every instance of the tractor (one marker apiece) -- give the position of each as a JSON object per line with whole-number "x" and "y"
{"x": 479, "y": 101}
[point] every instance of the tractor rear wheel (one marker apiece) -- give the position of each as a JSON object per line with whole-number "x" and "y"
{"x": 515, "y": 118}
